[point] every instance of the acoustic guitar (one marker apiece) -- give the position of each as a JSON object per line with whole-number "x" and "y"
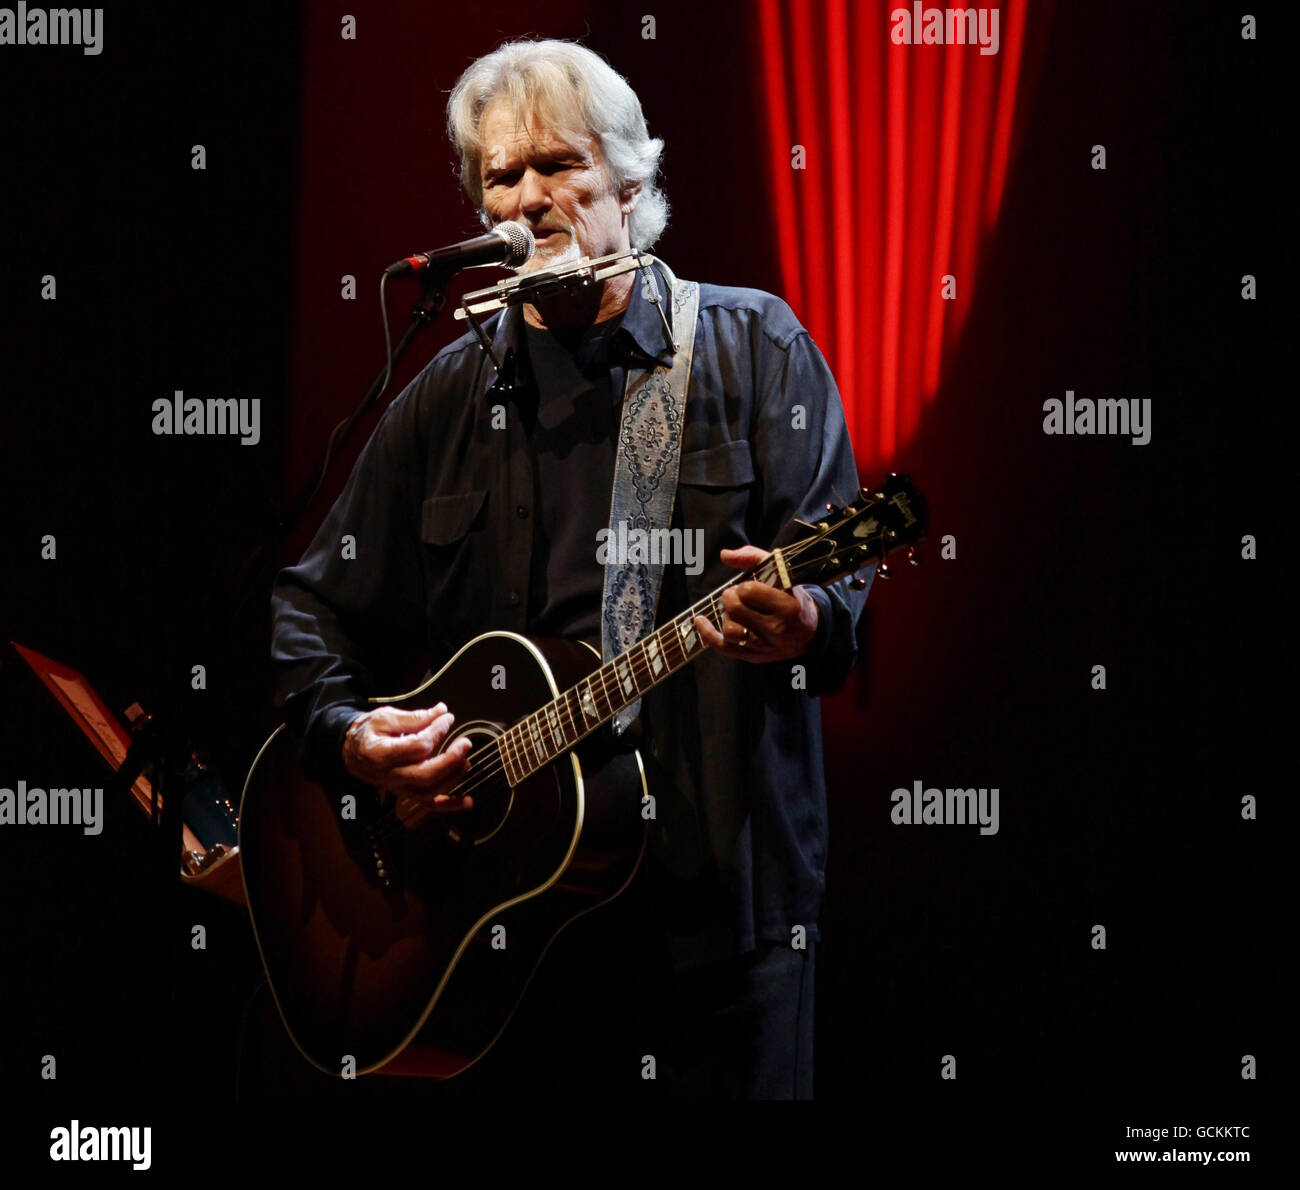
{"x": 403, "y": 945}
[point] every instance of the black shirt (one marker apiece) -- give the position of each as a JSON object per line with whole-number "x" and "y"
{"x": 427, "y": 547}
{"x": 571, "y": 424}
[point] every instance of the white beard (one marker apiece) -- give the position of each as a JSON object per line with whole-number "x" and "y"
{"x": 551, "y": 258}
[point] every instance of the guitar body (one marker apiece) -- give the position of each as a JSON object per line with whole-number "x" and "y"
{"x": 404, "y": 946}
{"x": 408, "y": 947}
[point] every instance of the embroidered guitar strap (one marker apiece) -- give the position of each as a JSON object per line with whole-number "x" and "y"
{"x": 645, "y": 486}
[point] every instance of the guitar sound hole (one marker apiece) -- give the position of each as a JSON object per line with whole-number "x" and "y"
{"x": 486, "y": 783}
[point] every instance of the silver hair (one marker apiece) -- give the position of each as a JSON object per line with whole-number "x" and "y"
{"x": 577, "y": 93}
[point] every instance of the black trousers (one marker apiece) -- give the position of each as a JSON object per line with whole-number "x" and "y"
{"x": 744, "y": 1028}
{"x": 607, "y": 1016}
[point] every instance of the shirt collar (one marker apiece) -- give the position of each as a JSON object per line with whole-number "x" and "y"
{"x": 641, "y": 339}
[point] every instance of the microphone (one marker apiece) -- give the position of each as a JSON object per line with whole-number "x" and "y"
{"x": 508, "y": 244}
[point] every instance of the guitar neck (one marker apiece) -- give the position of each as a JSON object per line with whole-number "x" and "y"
{"x": 538, "y": 739}
{"x": 842, "y": 542}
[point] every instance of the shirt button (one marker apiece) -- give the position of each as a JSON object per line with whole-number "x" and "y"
{"x": 521, "y": 512}
{"x": 514, "y": 598}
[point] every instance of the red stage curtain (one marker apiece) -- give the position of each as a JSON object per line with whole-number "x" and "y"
{"x": 905, "y": 158}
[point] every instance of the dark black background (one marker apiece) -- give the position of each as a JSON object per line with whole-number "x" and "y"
{"x": 1120, "y": 808}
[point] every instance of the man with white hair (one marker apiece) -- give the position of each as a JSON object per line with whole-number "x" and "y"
{"x": 477, "y": 530}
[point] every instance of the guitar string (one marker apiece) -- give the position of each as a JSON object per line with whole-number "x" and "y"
{"x": 641, "y": 669}
{"x": 494, "y": 770}
{"x": 492, "y": 773}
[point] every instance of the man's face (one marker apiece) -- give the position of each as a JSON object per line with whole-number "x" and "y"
{"x": 558, "y": 189}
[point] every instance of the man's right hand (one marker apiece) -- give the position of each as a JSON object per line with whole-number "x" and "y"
{"x": 398, "y": 751}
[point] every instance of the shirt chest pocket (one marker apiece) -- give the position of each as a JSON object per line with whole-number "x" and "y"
{"x": 728, "y": 465}
{"x": 445, "y": 520}
{"x": 452, "y": 530}
{"x": 713, "y": 494}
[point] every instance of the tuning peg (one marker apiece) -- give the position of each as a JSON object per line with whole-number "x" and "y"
{"x": 884, "y": 571}
{"x": 830, "y": 508}
{"x": 912, "y": 559}
{"x": 857, "y": 584}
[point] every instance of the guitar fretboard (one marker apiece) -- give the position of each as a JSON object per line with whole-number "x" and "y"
{"x": 548, "y": 733}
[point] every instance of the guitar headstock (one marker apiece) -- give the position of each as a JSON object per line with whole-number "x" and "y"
{"x": 875, "y": 525}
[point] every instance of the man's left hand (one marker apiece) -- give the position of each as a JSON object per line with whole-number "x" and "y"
{"x": 759, "y": 623}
